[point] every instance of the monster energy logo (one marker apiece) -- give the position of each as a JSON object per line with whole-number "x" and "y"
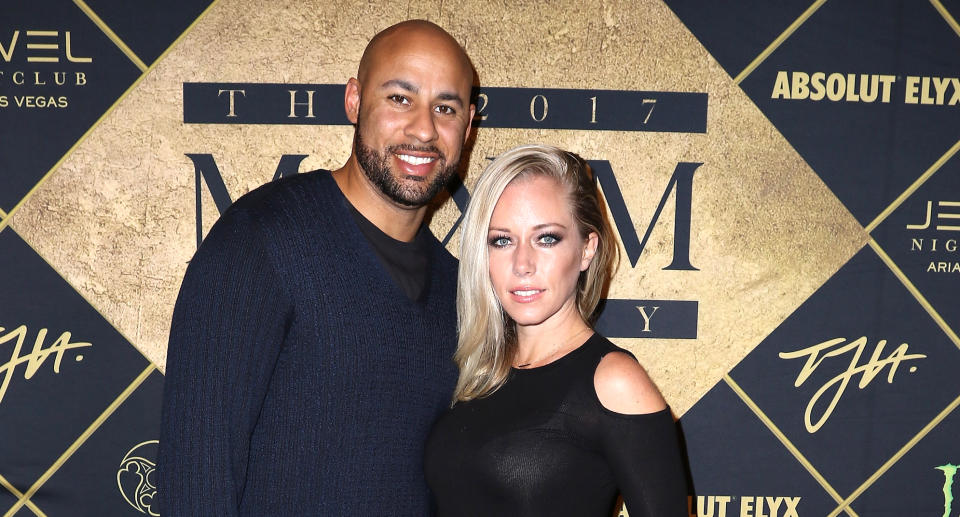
{"x": 948, "y": 472}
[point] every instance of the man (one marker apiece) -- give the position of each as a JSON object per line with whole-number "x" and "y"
{"x": 310, "y": 348}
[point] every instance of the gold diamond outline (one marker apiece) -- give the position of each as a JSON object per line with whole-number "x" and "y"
{"x": 787, "y": 444}
{"x": 845, "y": 505}
{"x": 778, "y": 41}
{"x": 16, "y": 493}
{"x": 86, "y": 434}
{"x": 150, "y": 363}
{"x": 127, "y": 51}
{"x": 5, "y": 219}
{"x": 897, "y": 272}
{"x": 918, "y": 296}
{"x": 946, "y": 16}
{"x": 913, "y": 188}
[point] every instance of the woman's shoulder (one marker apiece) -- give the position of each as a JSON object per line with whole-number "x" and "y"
{"x": 623, "y": 385}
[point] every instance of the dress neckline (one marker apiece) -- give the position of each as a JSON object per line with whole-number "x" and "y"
{"x": 559, "y": 360}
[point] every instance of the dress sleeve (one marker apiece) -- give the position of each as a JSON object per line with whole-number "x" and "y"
{"x": 644, "y": 454}
{"x": 228, "y": 327}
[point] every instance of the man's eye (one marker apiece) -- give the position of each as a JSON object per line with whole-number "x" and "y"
{"x": 399, "y": 99}
{"x": 446, "y": 110}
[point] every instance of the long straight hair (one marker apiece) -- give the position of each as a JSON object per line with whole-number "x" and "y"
{"x": 487, "y": 336}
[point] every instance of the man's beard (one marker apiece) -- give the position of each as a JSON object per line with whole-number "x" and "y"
{"x": 376, "y": 166}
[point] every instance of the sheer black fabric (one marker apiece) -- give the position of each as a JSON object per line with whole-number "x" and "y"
{"x": 543, "y": 444}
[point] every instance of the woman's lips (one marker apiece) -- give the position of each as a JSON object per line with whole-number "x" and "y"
{"x": 526, "y": 294}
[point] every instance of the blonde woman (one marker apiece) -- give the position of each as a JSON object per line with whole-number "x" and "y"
{"x": 549, "y": 418}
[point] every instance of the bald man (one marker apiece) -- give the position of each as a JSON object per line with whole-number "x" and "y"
{"x": 310, "y": 348}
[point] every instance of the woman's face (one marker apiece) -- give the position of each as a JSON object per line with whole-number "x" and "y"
{"x": 536, "y": 252}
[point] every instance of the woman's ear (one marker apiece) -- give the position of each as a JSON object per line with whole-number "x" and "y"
{"x": 589, "y": 250}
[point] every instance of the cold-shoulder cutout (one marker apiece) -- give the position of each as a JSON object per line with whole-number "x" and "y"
{"x": 544, "y": 444}
{"x": 624, "y": 387}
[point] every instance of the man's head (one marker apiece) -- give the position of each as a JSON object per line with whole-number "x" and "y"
{"x": 411, "y": 105}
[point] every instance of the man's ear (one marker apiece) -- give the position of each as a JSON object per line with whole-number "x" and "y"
{"x": 351, "y": 100}
{"x": 466, "y": 132}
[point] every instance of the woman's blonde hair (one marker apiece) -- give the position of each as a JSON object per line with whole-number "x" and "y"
{"x": 487, "y": 336}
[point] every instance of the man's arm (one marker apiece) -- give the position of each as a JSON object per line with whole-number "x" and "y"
{"x": 228, "y": 327}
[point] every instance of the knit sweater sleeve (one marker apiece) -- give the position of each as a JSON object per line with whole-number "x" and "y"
{"x": 227, "y": 330}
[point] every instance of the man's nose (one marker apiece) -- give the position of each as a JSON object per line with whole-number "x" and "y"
{"x": 422, "y": 125}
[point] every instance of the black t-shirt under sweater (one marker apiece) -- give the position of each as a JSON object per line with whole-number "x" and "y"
{"x": 543, "y": 444}
{"x": 407, "y": 262}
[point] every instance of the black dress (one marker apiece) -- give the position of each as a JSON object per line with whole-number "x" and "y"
{"x": 543, "y": 444}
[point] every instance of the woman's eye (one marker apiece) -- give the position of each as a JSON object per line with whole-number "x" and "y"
{"x": 499, "y": 242}
{"x": 549, "y": 239}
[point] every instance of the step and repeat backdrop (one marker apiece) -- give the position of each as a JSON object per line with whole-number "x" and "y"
{"x": 783, "y": 176}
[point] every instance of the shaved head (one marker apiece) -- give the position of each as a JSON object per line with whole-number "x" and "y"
{"x": 385, "y": 42}
{"x": 410, "y": 104}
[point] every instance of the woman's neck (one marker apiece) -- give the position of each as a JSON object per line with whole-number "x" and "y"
{"x": 541, "y": 344}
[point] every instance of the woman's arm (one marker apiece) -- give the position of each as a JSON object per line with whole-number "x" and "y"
{"x": 639, "y": 439}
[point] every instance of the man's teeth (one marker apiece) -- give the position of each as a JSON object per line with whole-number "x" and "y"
{"x": 415, "y": 160}
{"x": 527, "y": 293}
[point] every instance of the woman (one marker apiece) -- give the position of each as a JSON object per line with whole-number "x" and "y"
{"x": 549, "y": 418}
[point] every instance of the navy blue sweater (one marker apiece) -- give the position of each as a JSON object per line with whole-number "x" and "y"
{"x": 300, "y": 379}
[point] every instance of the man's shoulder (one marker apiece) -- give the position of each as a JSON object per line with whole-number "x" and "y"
{"x": 284, "y": 189}
{"x": 273, "y": 209}
{"x": 277, "y": 201}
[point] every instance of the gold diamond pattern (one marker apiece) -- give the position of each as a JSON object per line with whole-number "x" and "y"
{"x": 115, "y": 216}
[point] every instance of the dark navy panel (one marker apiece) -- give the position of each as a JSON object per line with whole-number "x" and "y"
{"x": 864, "y": 345}
{"x": 868, "y": 153}
{"x": 40, "y": 119}
{"x": 545, "y": 108}
{"x": 263, "y": 103}
{"x": 25, "y": 512}
{"x": 922, "y": 236}
{"x": 615, "y": 110}
{"x": 54, "y": 389}
{"x": 7, "y": 500}
{"x": 668, "y": 319}
{"x": 113, "y": 473}
{"x": 735, "y": 33}
{"x": 732, "y": 454}
{"x": 915, "y": 485}
{"x": 148, "y": 28}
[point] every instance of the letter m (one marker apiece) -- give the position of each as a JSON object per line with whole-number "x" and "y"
{"x": 681, "y": 183}
{"x": 205, "y": 169}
